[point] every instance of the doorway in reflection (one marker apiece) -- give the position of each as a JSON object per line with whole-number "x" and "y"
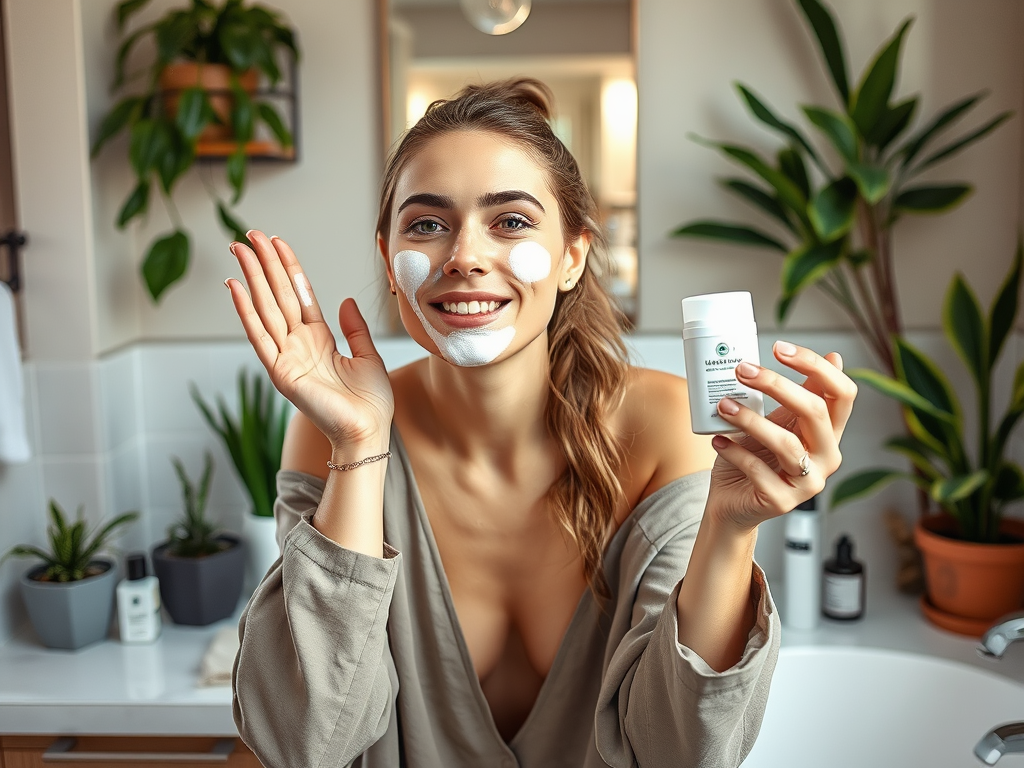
{"x": 582, "y": 49}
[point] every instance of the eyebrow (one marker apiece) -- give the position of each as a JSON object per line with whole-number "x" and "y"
{"x": 487, "y": 200}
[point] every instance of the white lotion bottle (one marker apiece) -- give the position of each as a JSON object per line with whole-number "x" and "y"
{"x": 138, "y": 603}
{"x": 719, "y": 332}
{"x": 801, "y": 608}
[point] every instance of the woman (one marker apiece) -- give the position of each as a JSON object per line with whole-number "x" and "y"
{"x": 483, "y": 551}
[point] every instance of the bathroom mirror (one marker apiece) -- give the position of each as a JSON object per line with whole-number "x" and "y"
{"x": 583, "y": 49}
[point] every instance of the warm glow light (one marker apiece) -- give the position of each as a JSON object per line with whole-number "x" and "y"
{"x": 618, "y": 108}
{"x": 618, "y": 142}
{"x": 415, "y": 107}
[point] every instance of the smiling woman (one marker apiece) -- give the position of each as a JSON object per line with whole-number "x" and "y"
{"x": 483, "y": 551}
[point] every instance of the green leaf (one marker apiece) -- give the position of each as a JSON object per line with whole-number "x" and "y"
{"x": 860, "y": 257}
{"x": 872, "y": 181}
{"x": 966, "y": 330}
{"x": 176, "y": 158}
{"x": 933, "y": 433}
{"x": 892, "y": 123}
{"x": 1004, "y": 308}
{"x": 270, "y": 116}
{"x": 825, "y": 31}
{"x": 962, "y": 143}
{"x": 236, "y": 166}
{"x": 919, "y": 453}
{"x": 837, "y": 128}
{"x": 789, "y": 194}
{"x": 804, "y": 267}
{"x": 897, "y": 390}
{"x": 762, "y": 199}
{"x": 124, "y": 49}
{"x": 1012, "y": 416}
{"x": 239, "y": 45}
{"x": 958, "y": 487}
{"x": 920, "y": 140}
{"x": 126, "y": 8}
{"x": 792, "y": 166}
{"x": 863, "y": 483}
{"x": 729, "y": 233}
{"x": 136, "y": 204}
{"x": 871, "y": 100}
{"x": 194, "y": 113}
{"x": 925, "y": 378}
{"x": 165, "y": 263}
{"x": 124, "y": 112}
{"x": 231, "y": 224}
{"x": 831, "y": 211}
{"x": 931, "y": 198}
{"x": 1009, "y": 483}
{"x": 766, "y": 116}
{"x": 145, "y": 146}
{"x": 242, "y": 113}
{"x": 175, "y": 34}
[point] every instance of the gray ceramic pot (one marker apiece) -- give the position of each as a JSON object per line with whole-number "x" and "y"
{"x": 70, "y": 614}
{"x": 201, "y": 590}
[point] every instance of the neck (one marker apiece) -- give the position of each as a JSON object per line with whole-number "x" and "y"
{"x": 495, "y": 409}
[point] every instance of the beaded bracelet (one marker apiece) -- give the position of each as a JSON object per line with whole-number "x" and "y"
{"x": 354, "y": 464}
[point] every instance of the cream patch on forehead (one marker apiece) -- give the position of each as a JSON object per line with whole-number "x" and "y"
{"x": 466, "y": 348}
{"x": 529, "y": 261}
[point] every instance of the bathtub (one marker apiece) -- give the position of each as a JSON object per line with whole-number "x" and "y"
{"x": 846, "y": 707}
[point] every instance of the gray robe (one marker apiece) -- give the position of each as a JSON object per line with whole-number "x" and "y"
{"x": 352, "y": 660}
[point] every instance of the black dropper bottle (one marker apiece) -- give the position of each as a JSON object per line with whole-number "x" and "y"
{"x": 843, "y": 584}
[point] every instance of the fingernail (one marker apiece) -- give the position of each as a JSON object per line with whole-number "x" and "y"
{"x": 839, "y": 361}
{"x": 226, "y": 284}
{"x": 746, "y": 370}
{"x": 785, "y": 349}
{"x": 729, "y": 406}
{"x": 274, "y": 237}
{"x": 719, "y": 442}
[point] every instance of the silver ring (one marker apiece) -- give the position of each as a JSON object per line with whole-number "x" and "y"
{"x": 805, "y": 464}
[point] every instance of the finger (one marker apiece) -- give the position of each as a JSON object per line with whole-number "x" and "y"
{"x": 812, "y": 413}
{"x": 357, "y": 334}
{"x": 263, "y": 300}
{"x": 277, "y": 278}
{"x": 778, "y": 493}
{"x": 309, "y": 306}
{"x": 825, "y": 378}
{"x": 787, "y": 446}
{"x": 266, "y": 350}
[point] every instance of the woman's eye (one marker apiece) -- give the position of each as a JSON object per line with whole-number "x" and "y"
{"x": 515, "y": 223}
{"x": 426, "y": 227}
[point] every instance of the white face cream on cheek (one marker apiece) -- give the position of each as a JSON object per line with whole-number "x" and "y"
{"x": 468, "y": 348}
{"x": 529, "y": 262}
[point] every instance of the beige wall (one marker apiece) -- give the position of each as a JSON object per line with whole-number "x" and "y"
{"x": 690, "y": 54}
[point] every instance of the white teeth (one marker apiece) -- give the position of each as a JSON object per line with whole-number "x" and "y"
{"x": 470, "y": 308}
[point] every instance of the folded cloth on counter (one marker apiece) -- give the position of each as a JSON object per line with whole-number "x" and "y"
{"x": 14, "y": 446}
{"x": 219, "y": 658}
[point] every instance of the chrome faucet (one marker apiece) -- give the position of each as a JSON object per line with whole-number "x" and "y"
{"x": 1006, "y": 739}
{"x": 999, "y": 636}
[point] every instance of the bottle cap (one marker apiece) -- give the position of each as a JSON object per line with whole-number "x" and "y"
{"x": 844, "y": 551}
{"x": 718, "y": 312}
{"x": 136, "y": 566}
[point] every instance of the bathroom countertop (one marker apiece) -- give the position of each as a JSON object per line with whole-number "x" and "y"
{"x": 110, "y": 688}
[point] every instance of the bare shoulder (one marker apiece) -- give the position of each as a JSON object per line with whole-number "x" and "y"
{"x": 654, "y": 420}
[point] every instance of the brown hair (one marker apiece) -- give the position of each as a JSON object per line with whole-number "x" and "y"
{"x": 587, "y": 357}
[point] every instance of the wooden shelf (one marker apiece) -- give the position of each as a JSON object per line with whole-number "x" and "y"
{"x": 266, "y": 150}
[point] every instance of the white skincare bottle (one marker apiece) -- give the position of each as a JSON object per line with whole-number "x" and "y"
{"x": 802, "y": 565}
{"x": 719, "y": 332}
{"x": 138, "y": 603}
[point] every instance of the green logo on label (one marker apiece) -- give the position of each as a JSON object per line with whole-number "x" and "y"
{"x": 722, "y": 349}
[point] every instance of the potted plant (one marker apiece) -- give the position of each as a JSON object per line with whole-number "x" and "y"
{"x": 200, "y": 569}
{"x": 973, "y": 554}
{"x": 198, "y": 88}
{"x": 254, "y": 438}
{"x": 70, "y": 595}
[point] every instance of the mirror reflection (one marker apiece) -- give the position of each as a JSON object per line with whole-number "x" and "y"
{"x": 582, "y": 49}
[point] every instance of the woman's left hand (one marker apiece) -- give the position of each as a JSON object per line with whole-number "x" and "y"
{"x": 784, "y": 458}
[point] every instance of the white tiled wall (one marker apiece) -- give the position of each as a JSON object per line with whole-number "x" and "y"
{"x": 103, "y": 434}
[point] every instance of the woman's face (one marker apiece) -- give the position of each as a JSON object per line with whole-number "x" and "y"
{"x": 476, "y": 250}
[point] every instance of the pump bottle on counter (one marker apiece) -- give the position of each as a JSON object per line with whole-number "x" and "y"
{"x": 844, "y": 584}
{"x": 802, "y": 563}
{"x": 138, "y": 603}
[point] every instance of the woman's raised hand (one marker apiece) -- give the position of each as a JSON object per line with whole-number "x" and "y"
{"x": 349, "y": 399}
{"x": 782, "y": 459}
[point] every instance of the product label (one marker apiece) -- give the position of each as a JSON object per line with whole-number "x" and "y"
{"x": 711, "y": 375}
{"x": 842, "y": 595}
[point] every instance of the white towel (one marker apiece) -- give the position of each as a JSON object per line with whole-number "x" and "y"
{"x": 14, "y": 446}
{"x": 219, "y": 658}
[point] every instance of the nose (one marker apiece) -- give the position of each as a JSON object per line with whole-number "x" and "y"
{"x": 472, "y": 254}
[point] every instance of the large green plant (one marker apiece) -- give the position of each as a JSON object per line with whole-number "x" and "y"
{"x": 193, "y": 535}
{"x": 72, "y": 545}
{"x": 973, "y": 488}
{"x": 162, "y": 146}
{"x": 834, "y": 220}
{"x": 254, "y": 438}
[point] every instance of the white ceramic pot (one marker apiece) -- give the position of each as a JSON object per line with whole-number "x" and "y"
{"x": 260, "y": 534}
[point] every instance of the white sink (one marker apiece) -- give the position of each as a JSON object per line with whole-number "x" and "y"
{"x": 841, "y": 707}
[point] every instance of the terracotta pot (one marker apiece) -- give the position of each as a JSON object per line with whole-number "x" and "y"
{"x": 974, "y": 581}
{"x": 216, "y": 79}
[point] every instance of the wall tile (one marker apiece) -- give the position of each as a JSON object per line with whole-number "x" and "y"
{"x": 67, "y": 407}
{"x": 119, "y": 416}
{"x": 165, "y": 373}
{"x": 73, "y": 482}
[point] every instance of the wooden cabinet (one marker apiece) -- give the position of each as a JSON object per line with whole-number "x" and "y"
{"x": 124, "y": 752}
